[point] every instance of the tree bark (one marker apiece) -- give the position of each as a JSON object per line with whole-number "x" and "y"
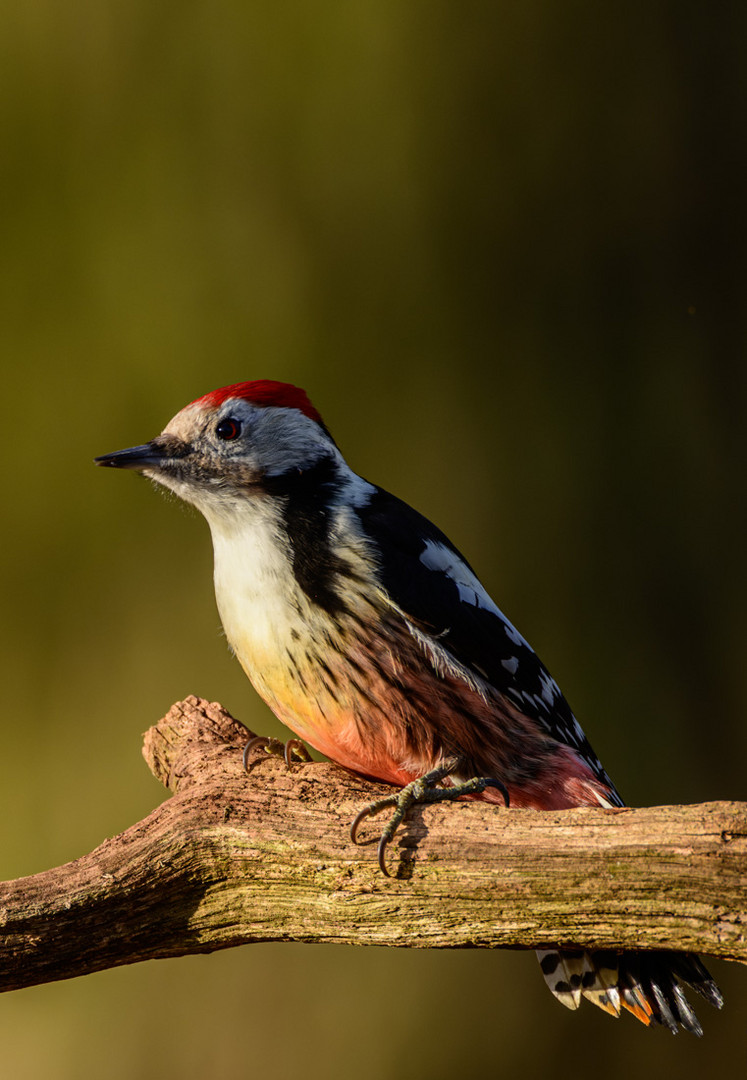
{"x": 231, "y": 859}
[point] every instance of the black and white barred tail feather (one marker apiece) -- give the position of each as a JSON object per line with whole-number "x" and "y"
{"x": 647, "y": 984}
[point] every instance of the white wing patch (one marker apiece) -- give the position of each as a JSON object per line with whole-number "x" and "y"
{"x": 513, "y": 634}
{"x": 440, "y": 558}
{"x": 550, "y": 689}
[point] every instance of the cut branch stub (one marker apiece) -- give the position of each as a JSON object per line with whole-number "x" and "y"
{"x": 187, "y": 745}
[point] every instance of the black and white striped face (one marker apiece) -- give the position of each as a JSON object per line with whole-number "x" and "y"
{"x": 212, "y": 455}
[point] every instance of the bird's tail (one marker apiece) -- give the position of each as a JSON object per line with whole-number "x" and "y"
{"x": 647, "y": 984}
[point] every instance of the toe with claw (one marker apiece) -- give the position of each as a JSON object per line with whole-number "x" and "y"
{"x": 290, "y": 751}
{"x": 420, "y": 792}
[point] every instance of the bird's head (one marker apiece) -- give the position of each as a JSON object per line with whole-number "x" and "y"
{"x": 231, "y": 443}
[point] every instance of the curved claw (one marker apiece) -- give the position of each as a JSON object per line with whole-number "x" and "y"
{"x": 295, "y": 746}
{"x": 256, "y": 741}
{"x": 383, "y": 845}
{"x": 355, "y": 825}
{"x": 274, "y": 746}
{"x": 369, "y": 811}
{"x": 489, "y": 782}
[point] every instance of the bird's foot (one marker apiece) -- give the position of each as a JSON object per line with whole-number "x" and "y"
{"x": 289, "y": 750}
{"x": 418, "y": 793}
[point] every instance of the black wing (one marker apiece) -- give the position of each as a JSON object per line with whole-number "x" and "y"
{"x": 434, "y": 586}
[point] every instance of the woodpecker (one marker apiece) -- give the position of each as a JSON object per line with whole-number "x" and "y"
{"x": 369, "y": 635}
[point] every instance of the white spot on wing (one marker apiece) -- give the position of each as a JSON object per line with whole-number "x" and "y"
{"x": 513, "y": 634}
{"x": 443, "y": 560}
{"x": 550, "y": 689}
{"x": 578, "y": 731}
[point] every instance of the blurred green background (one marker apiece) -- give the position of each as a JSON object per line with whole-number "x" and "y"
{"x": 503, "y": 247}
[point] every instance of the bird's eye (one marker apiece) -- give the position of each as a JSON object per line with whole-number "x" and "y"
{"x": 228, "y": 429}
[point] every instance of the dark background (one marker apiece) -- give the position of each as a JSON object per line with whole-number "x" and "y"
{"x": 503, "y": 247}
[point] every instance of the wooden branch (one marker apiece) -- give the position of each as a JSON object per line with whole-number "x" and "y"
{"x": 231, "y": 859}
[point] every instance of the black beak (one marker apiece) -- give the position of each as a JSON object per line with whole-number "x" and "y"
{"x": 149, "y": 456}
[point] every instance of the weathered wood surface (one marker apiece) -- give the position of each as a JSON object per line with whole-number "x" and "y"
{"x": 231, "y": 859}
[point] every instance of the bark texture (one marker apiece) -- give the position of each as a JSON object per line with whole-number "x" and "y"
{"x": 231, "y": 859}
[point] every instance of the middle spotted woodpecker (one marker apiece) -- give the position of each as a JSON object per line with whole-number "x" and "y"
{"x": 370, "y": 636}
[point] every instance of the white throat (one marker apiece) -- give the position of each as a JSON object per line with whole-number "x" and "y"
{"x": 258, "y": 597}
